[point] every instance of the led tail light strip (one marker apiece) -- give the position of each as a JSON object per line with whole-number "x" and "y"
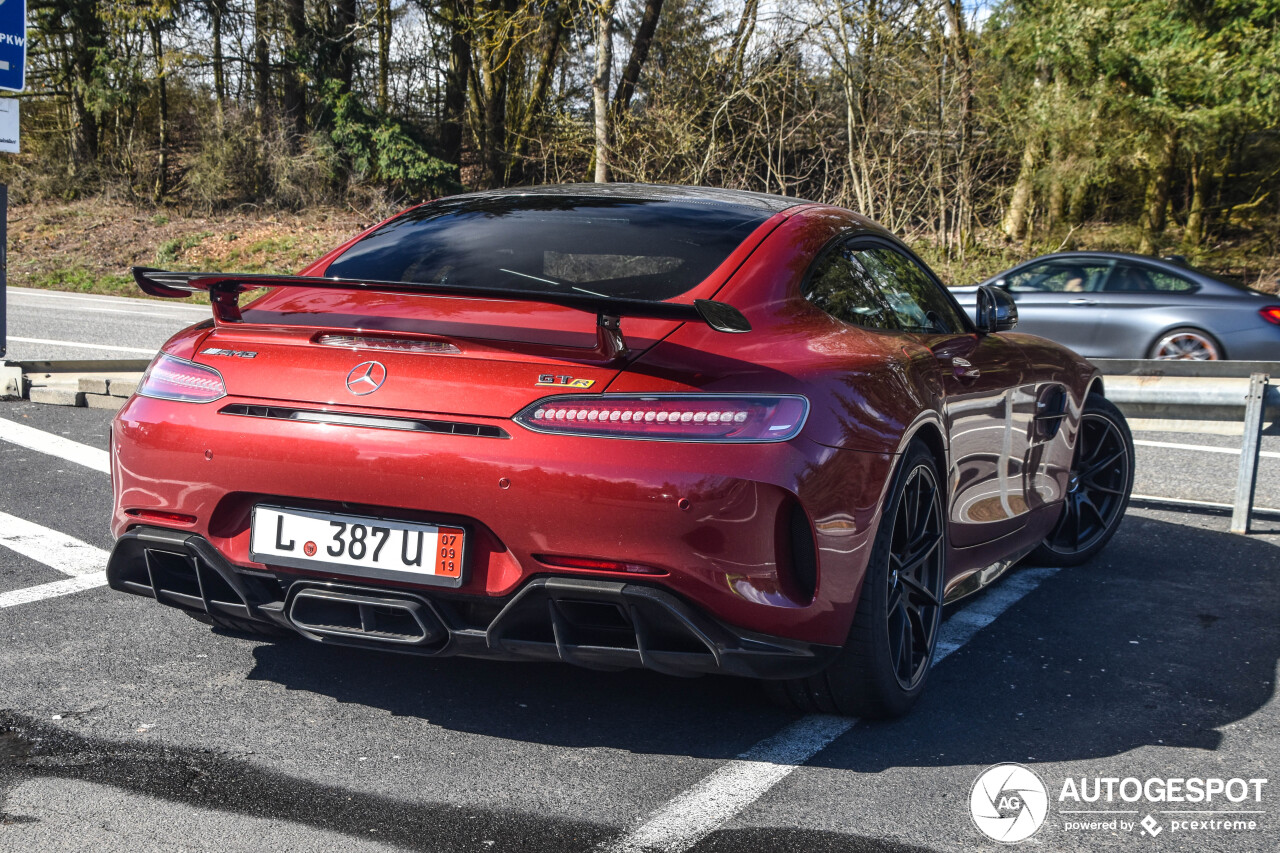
{"x": 670, "y": 417}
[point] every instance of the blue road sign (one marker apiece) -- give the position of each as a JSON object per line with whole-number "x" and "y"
{"x": 13, "y": 44}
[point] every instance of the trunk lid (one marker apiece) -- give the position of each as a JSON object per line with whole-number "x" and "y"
{"x": 301, "y": 347}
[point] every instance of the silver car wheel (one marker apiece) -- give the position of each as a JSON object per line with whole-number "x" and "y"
{"x": 1186, "y": 344}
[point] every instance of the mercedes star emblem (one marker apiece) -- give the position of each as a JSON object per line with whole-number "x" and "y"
{"x": 366, "y": 377}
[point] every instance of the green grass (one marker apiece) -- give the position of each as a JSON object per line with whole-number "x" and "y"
{"x": 169, "y": 250}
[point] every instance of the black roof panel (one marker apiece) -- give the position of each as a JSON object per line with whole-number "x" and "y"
{"x": 652, "y": 192}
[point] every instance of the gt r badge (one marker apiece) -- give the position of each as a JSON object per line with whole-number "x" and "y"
{"x": 366, "y": 377}
{"x": 564, "y": 381}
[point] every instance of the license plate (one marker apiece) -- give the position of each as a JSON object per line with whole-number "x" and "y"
{"x": 357, "y": 545}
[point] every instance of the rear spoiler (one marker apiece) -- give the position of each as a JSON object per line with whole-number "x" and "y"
{"x": 224, "y": 291}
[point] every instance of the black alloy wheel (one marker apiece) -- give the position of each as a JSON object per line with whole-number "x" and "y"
{"x": 913, "y": 587}
{"x": 1098, "y": 487}
{"x": 882, "y": 668}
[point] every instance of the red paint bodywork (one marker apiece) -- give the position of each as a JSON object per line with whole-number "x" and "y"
{"x": 871, "y": 393}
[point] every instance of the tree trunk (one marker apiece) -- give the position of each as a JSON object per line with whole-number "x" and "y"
{"x": 1015, "y": 217}
{"x": 295, "y": 91}
{"x": 1157, "y": 196}
{"x": 741, "y": 38}
{"x": 88, "y": 46}
{"x": 455, "y": 80}
{"x": 162, "y": 120}
{"x": 495, "y": 68}
{"x": 542, "y": 80}
{"x": 261, "y": 63}
{"x": 1200, "y": 183}
{"x": 217, "y": 11}
{"x": 384, "y": 53}
{"x": 1056, "y": 204}
{"x": 346, "y": 23}
{"x": 600, "y": 88}
{"x": 639, "y": 53}
{"x": 963, "y": 222}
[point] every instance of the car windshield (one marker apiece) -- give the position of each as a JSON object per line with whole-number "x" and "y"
{"x": 636, "y": 248}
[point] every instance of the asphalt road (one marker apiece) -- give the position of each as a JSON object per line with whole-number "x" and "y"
{"x": 125, "y": 726}
{"x": 46, "y": 325}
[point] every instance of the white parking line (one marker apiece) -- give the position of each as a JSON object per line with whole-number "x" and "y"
{"x": 702, "y": 809}
{"x": 1205, "y": 448}
{"x": 104, "y": 300}
{"x": 79, "y": 345}
{"x": 56, "y": 550}
{"x": 54, "y": 445}
{"x": 51, "y": 590}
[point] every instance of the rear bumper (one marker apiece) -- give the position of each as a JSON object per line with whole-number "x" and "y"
{"x": 726, "y": 527}
{"x": 592, "y": 623}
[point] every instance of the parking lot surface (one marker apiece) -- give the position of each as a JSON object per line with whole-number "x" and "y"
{"x": 127, "y": 726}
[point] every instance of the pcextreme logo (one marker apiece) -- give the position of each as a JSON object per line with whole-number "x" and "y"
{"x": 1008, "y": 803}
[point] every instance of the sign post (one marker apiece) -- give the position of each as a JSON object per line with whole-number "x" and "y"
{"x": 13, "y": 77}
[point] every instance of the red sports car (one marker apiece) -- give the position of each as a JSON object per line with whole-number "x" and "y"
{"x": 694, "y": 430}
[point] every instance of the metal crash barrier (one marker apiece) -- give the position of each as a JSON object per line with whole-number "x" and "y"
{"x": 1230, "y": 395}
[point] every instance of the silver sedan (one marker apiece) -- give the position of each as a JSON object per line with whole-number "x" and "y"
{"x": 1113, "y": 305}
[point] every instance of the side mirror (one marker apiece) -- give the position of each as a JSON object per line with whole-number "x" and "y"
{"x": 1001, "y": 283}
{"x": 997, "y": 312}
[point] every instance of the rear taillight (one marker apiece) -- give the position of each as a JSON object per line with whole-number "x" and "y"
{"x": 1271, "y": 314}
{"x": 171, "y": 378}
{"x": 674, "y": 417}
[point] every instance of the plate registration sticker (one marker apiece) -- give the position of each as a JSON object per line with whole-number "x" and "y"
{"x": 357, "y": 545}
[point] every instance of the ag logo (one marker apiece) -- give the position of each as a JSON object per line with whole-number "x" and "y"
{"x": 1008, "y": 803}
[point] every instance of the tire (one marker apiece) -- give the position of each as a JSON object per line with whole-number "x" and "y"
{"x": 882, "y": 668}
{"x": 1186, "y": 343}
{"x": 1100, "y": 483}
{"x": 240, "y": 626}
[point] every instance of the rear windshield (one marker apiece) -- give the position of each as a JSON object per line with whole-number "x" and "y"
{"x": 626, "y": 247}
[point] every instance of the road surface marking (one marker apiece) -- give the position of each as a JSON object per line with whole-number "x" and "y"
{"x": 97, "y": 310}
{"x": 1234, "y": 451}
{"x": 1210, "y": 504}
{"x": 55, "y": 550}
{"x": 51, "y": 590}
{"x": 714, "y": 801}
{"x": 78, "y": 345}
{"x": 54, "y": 445}
{"x": 107, "y": 300}
{"x": 709, "y": 804}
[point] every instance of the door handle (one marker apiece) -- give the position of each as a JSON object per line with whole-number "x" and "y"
{"x": 964, "y": 368}
{"x": 1082, "y": 301}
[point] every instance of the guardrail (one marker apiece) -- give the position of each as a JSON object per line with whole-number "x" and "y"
{"x": 1196, "y": 391}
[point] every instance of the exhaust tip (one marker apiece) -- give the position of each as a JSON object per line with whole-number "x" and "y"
{"x": 329, "y": 612}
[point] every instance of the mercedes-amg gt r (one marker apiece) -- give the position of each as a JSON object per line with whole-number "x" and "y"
{"x": 699, "y": 431}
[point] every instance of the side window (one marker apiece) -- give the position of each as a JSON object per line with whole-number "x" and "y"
{"x": 1058, "y": 277}
{"x": 844, "y": 289}
{"x": 1131, "y": 277}
{"x": 1169, "y": 282}
{"x": 918, "y": 303}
